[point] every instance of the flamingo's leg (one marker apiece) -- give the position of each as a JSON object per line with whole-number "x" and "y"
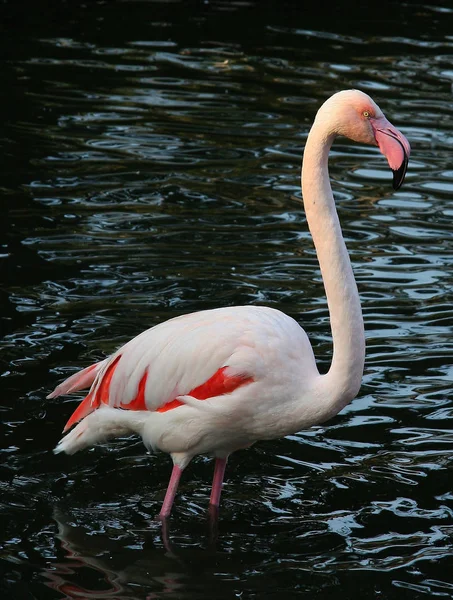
{"x": 171, "y": 492}
{"x": 217, "y": 482}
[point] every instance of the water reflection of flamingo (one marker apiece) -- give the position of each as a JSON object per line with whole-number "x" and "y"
{"x": 101, "y": 566}
{"x": 219, "y": 380}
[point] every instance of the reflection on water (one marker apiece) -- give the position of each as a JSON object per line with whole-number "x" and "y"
{"x": 151, "y": 158}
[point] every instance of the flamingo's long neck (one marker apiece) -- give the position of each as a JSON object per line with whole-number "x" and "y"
{"x": 344, "y": 377}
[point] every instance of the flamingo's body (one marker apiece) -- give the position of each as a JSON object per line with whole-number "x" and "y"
{"x": 219, "y": 380}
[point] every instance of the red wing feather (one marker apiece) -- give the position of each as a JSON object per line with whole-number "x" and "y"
{"x": 220, "y": 383}
{"x": 217, "y": 385}
{"x": 97, "y": 394}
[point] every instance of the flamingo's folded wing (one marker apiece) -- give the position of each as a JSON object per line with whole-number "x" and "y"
{"x": 79, "y": 381}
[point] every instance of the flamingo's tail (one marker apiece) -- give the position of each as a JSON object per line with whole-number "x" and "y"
{"x": 101, "y": 425}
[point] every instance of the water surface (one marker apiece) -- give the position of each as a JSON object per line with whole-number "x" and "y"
{"x": 150, "y": 167}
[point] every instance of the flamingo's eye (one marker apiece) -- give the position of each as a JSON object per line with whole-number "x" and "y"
{"x": 366, "y": 114}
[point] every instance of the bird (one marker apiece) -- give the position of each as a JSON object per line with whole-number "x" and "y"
{"x": 219, "y": 380}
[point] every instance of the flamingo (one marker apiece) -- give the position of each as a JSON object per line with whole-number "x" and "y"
{"x": 216, "y": 381}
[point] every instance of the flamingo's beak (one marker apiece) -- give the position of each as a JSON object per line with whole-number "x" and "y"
{"x": 394, "y": 146}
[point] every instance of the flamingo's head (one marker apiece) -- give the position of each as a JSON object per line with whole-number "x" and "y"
{"x": 355, "y": 115}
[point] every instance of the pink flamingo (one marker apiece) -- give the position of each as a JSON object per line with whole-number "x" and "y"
{"x": 215, "y": 381}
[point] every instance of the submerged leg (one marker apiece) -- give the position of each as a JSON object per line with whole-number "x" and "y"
{"x": 217, "y": 482}
{"x": 171, "y": 492}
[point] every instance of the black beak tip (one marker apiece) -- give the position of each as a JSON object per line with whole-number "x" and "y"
{"x": 399, "y": 174}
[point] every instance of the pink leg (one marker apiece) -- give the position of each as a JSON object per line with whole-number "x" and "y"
{"x": 219, "y": 471}
{"x": 171, "y": 492}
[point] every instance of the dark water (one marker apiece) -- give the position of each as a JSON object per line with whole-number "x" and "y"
{"x": 150, "y": 164}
